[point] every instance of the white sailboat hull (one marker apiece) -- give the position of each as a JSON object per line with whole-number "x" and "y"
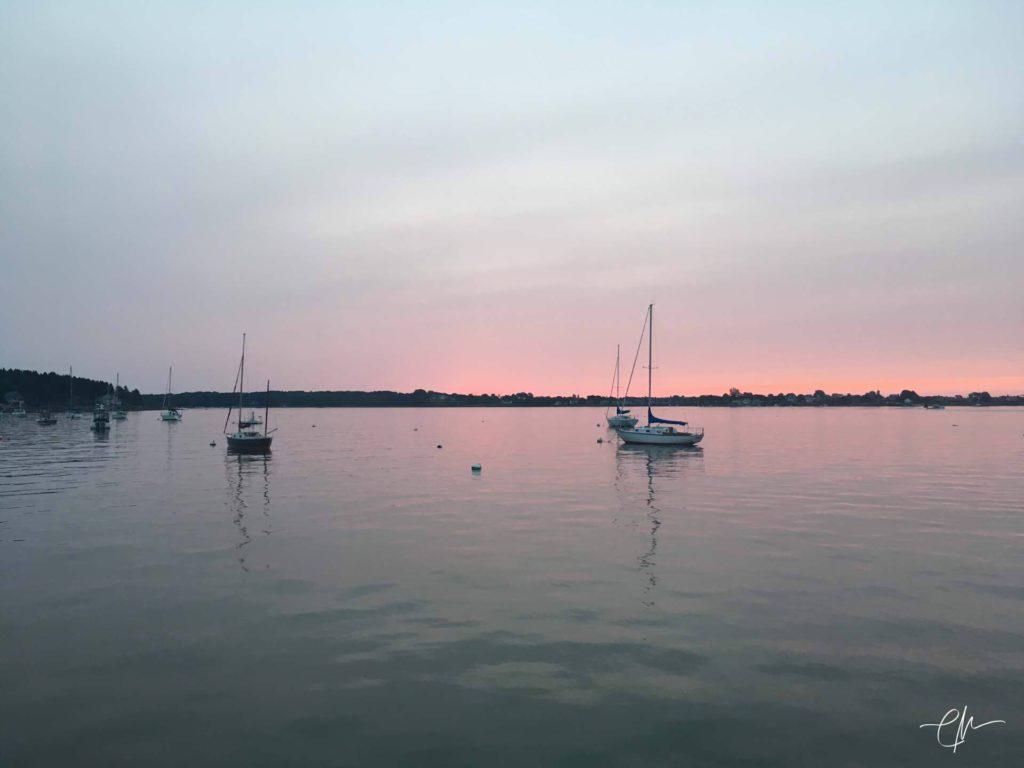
{"x": 659, "y": 436}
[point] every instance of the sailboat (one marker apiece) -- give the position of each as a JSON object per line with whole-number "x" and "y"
{"x": 118, "y": 413}
{"x": 247, "y": 439}
{"x": 46, "y": 419}
{"x": 622, "y": 417}
{"x": 253, "y": 420}
{"x": 169, "y": 413}
{"x": 72, "y": 411}
{"x": 658, "y": 431}
{"x": 19, "y": 409}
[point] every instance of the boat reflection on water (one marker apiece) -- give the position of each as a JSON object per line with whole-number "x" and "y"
{"x": 249, "y": 491}
{"x": 655, "y": 464}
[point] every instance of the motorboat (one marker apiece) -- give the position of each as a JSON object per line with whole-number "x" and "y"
{"x": 100, "y": 419}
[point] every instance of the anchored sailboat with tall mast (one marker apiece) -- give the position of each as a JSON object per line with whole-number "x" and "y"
{"x": 168, "y": 413}
{"x": 248, "y": 439}
{"x": 117, "y": 411}
{"x": 658, "y": 431}
{"x": 72, "y": 411}
{"x": 622, "y": 417}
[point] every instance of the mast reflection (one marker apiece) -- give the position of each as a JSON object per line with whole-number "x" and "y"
{"x": 248, "y": 473}
{"x": 648, "y": 462}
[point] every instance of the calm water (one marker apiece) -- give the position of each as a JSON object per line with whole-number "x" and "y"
{"x": 805, "y": 590}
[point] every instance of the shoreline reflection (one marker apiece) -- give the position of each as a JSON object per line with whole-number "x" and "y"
{"x": 243, "y": 471}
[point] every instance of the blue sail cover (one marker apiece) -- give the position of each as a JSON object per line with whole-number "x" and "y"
{"x": 652, "y": 419}
{"x": 620, "y": 411}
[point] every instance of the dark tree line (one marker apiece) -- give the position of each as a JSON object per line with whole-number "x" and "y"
{"x": 425, "y": 399}
{"x": 51, "y": 390}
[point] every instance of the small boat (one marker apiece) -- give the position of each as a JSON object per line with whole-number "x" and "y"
{"x": 253, "y": 421}
{"x": 100, "y": 419}
{"x": 934, "y": 407}
{"x": 658, "y": 431}
{"x": 622, "y": 417}
{"x": 72, "y": 411}
{"x": 19, "y": 410}
{"x": 118, "y": 413}
{"x": 168, "y": 413}
{"x": 46, "y": 419}
{"x": 247, "y": 439}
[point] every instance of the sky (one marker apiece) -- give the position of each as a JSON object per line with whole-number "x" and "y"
{"x": 485, "y": 197}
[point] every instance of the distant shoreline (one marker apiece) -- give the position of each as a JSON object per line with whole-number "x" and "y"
{"x": 427, "y": 399}
{"x": 636, "y": 408}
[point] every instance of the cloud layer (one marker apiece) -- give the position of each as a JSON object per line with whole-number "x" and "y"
{"x": 483, "y": 197}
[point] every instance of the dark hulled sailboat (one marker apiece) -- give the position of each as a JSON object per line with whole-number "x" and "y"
{"x": 247, "y": 439}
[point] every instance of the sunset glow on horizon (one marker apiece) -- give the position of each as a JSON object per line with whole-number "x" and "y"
{"x": 485, "y": 199}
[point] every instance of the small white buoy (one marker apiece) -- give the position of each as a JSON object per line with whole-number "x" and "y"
{"x": 475, "y": 468}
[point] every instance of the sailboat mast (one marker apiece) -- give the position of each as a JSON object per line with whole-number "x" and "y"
{"x": 71, "y": 386}
{"x": 617, "y": 349}
{"x": 241, "y": 384}
{"x": 266, "y": 410}
{"x": 650, "y": 358}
